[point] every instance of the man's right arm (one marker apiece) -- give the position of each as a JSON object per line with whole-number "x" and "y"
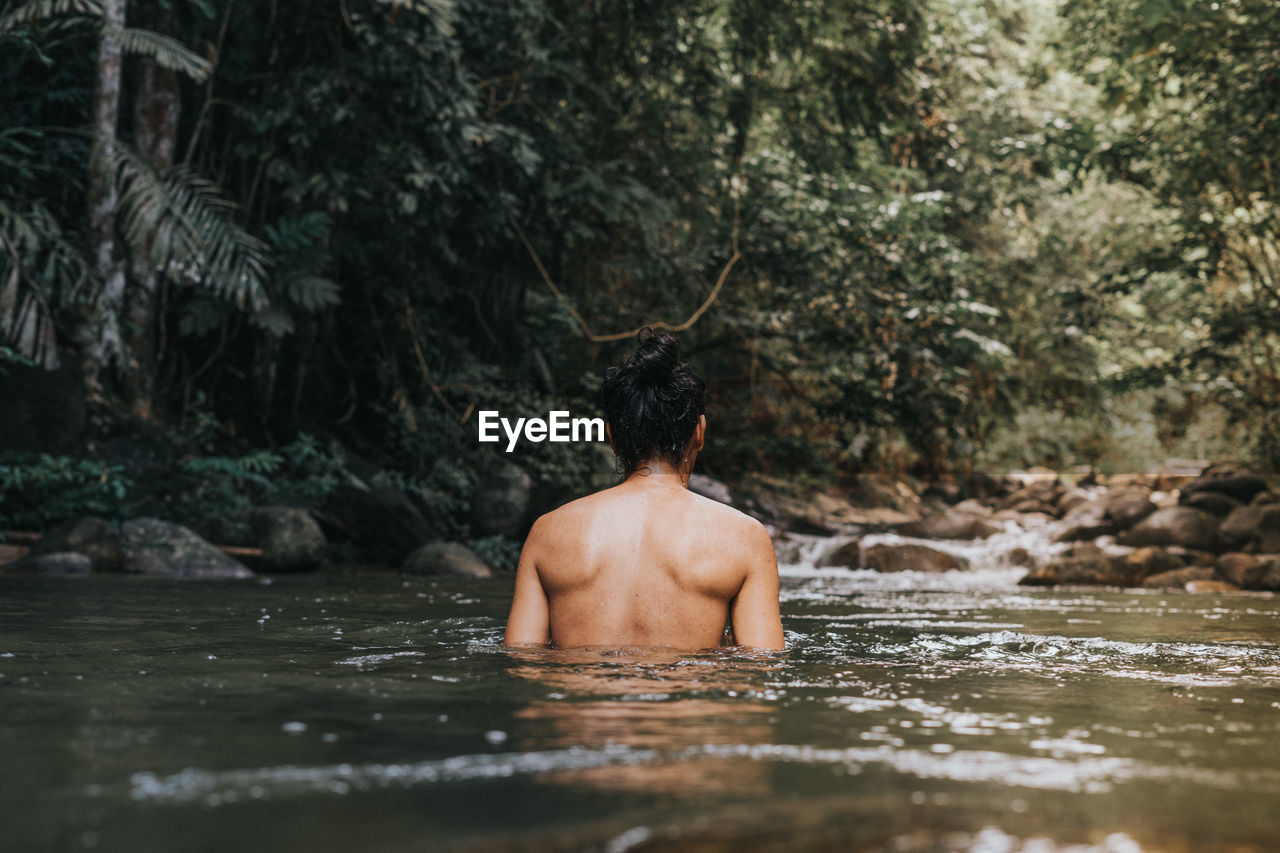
{"x": 529, "y": 621}
{"x": 754, "y": 612}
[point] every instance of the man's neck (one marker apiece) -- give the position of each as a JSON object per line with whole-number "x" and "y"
{"x": 659, "y": 473}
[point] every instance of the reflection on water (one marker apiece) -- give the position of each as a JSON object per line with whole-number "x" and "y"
{"x": 655, "y": 701}
{"x": 941, "y": 712}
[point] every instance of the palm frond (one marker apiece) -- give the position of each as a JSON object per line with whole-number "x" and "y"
{"x": 43, "y": 10}
{"x": 167, "y": 53}
{"x": 37, "y": 264}
{"x": 185, "y": 224}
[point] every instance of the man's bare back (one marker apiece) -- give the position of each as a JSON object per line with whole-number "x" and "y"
{"x": 646, "y": 563}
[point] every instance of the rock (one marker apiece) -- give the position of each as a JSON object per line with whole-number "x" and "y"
{"x": 1178, "y": 525}
{"x": 817, "y": 513}
{"x": 1211, "y": 586}
{"x": 943, "y": 491}
{"x": 948, "y": 524}
{"x": 1126, "y": 507}
{"x": 95, "y": 538}
{"x": 709, "y": 487}
{"x": 1214, "y": 503}
{"x": 51, "y": 563}
{"x": 984, "y": 487}
{"x": 446, "y": 558}
{"x": 1073, "y": 570}
{"x": 1020, "y": 557}
{"x": 1230, "y": 481}
{"x": 1026, "y": 519}
{"x": 973, "y": 507}
{"x": 289, "y": 537}
{"x": 1178, "y": 578}
{"x": 1241, "y": 527}
{"x": 1094, "y": 570}
{"x": 1038, "y": 495}
{"x": 1250, "y": 571}
{"x": 500, "y": 503}
{"x": 1144, "y": 562}
{"x": 910, "y": 558}
{"x": 1034, "y": 505}
{"x": 1086, "y": 521}
{"x": 154, "y": 547}
{"x": 882, "y": 492}
{"x": 1071, "y": 499}
{"x": 381, "y": 519}
{"x": 846, "y": 555}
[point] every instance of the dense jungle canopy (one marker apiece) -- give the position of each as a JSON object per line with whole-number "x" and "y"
{"x": 923, "y": 236}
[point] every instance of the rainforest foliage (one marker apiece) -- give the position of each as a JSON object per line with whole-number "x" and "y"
{"x": 920, "y": 235}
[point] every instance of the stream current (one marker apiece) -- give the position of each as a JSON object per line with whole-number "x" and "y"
{"x": 377, "y": 712}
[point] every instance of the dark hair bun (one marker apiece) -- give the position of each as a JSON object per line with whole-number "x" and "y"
{"x": 652, "y": 401}
{"x": 656, "y": 358}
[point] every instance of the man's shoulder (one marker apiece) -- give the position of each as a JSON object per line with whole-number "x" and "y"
{"x": 734, "y": 525}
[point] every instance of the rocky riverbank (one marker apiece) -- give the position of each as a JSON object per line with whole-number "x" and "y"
{"x": 1214, "y": 528}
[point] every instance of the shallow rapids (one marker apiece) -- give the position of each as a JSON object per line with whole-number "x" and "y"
{"x": 954, "y": 711}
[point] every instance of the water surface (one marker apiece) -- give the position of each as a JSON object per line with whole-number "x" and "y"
{"x": 376, "y": 712}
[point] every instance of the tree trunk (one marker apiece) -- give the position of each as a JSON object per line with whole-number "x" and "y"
{"x": 155, "y": 128}
{"x": 100, "y": 339}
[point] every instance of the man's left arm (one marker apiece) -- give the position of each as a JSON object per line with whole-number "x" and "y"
{"x": 529, "y": 621}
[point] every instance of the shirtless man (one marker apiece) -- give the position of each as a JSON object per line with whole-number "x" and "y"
{"x": 647, "y": 562}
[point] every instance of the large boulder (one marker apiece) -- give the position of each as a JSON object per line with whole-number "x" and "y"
{"x": 1214, "y": 503}
{"x": 1252, "y": 528}
{"x": 910, "y": 558}
{"x": 154, "y": 547}
{"x": 1232, "y": 479}
{"x": 1241, "y": 527}
{"x": 950, "y": 523}
{"x": 51, "y": 563}
{"x": 380, "y": 518}
{"x": 501, "y": 502}
{"x": 446, "y": 558}
{"x": 1177, "y": 525}
{"x": 1127, "y": 506}
{"x": 845, "y": 555}
{"x": 1143, "y": 562}
{"x": 1090, "y": 569}
{"x": 1250, "y": 571}
{"x": 95, "y": 538}
{"x": 1178, "y": 578}
{"x": 289, "y": 537}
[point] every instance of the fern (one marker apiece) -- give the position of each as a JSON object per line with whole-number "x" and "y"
{"x": 186, "y": 222}
{"x": 37, "y": 266}
{"x": 167, "y": 52}
{"x": 42, "y": 10}
{"x": 38, "y": 490}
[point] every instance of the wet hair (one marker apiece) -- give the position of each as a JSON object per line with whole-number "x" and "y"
{"x": 652, "y": 401}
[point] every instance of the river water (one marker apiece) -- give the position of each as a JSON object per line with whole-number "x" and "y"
{"x": 374, "y": 712}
